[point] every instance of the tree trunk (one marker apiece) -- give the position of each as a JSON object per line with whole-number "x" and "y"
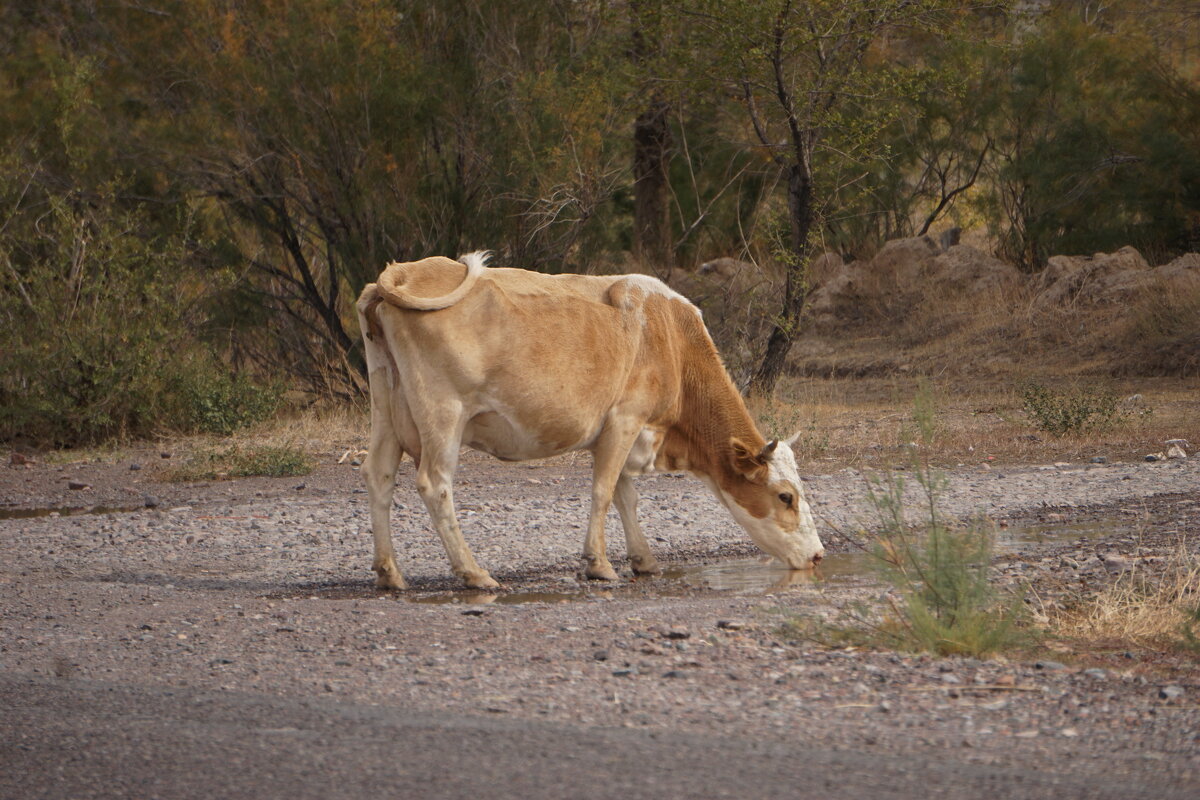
{"x": 787, "y": 326}
{"x": 651, "y": 218}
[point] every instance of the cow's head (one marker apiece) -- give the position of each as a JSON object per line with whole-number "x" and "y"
{"x": 765, "y": 496}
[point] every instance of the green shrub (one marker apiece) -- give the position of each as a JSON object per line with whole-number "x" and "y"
{"x": 947, "y": 603}
{"x": 243, "y": 462}
{"x": 93, "y": 334}
{"x": 218, "y": 403}
{"x": 1075, "y": 411}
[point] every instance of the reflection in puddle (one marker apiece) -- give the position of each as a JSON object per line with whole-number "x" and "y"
{"x": 65, "y": 511}
{"x": 761, "y": 575}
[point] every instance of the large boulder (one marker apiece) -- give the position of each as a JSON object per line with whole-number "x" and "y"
{"x": 840, "y": 295}
{"x": 963, "y": 268}
{"x": 1183, "y": 273}
{"x": 1103, "y": 278}
{"x": 902, "y": 261}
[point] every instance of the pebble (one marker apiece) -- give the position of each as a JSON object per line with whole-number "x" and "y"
{"x": 150, "y": 501}
{"x": 1099, "y": 460}
{"x": 1050, "y": 666}
{"x": 730, "y": 624}
{"x": 1097, "y": 673}
{"x": 1170, "y": 692}
{"x": 73, "y": 484}
{"x": 134, "y": 467}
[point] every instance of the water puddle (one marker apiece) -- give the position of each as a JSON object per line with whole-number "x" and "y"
{"x": 1009, "y": 539}
{"x": 65, "y": 511}
{"x": 748, "y": 576}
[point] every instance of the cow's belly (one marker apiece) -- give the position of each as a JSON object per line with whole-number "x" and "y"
{"x": 503, "y": 436}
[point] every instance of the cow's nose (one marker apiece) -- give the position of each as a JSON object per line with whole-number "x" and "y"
{"x": 817, "y": 558}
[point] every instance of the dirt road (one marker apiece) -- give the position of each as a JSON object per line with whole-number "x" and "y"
{"x": 227, "y": 642}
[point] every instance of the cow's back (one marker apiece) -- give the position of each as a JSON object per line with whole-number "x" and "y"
{"x": 539, "y": 361}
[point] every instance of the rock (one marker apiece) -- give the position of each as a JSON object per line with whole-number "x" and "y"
{"x": 839, "y": 295}
{"x": 965, "y": 269}
{"x": 134, "y": 467}
{"x": 673, "y": 674}
{"x": 730, "y": 624}
{"x": 299, "y": 487}
{"x": 1115, "y": 562}
{"x": 621, "y": 673}
{"x": 902, "y": 261}
{"x": 677, "y": 633}
{"x": 1170, "y": 692}
{"x": 1098, "y": 460}
{"x": 1096, "y": 673}
{"x": 74, "y": 484}
{"x": 1176, "y": 451}
{"x": 473, "y": 612}
{"x": 1102, "y": 278}
{"x": 950, "y": 677}
{"x": 150, "y": 501}
{"x": 1050, "y": 666}
{"x": 165, "y": 454}
{"x": 600, "y": 655}
{"x": 1179, "y": 275}
{"x": 949, "y": 237}
{"x": 1152, "y": 457}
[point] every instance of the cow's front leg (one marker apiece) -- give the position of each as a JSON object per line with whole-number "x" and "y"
{"x": 640, "y": 557}
{"x": 434, "y": 483}
{"x": 609, "y": 454}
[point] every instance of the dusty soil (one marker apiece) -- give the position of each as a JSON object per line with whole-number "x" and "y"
{"x": 261, "y": 588}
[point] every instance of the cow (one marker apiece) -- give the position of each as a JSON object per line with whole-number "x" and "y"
{"x": 523, "y": 365}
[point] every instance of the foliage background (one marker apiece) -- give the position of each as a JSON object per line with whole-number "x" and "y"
{"x": 193, "y": 193}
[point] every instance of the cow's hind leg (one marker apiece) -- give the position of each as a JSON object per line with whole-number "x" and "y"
{"x": 609, "y": 454}
{"x": 640, "y": 557}
{"x": 380, "y": 466}
{"x": 435, "y": 484}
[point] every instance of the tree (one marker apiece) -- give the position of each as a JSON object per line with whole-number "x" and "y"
{"x": 817, "y": 82}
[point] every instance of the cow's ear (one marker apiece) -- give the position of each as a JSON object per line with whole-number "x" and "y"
{"x": 748, "y": 463}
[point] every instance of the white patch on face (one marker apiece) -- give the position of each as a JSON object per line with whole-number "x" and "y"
{"x": 797, "y": 547}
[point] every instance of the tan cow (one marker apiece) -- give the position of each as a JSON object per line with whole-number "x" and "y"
{"x": 523, "y": 365}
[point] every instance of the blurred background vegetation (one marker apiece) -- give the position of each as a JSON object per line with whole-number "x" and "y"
{"x": 192, "y": 193}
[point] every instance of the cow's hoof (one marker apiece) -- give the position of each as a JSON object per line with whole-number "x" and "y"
{"x": 645, "y": 566}
{"x": 390, "y": 579}
{"x": 601, "y": 572}
{"x": 480, "y": 581}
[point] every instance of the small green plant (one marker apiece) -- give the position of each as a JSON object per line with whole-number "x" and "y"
{"x": 1071, "y": 412}
{"x": 944, "y": 600}
{"x": 243, "y": 462}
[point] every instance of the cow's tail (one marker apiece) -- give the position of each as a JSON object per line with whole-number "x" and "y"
{"x": 389, "y": 288}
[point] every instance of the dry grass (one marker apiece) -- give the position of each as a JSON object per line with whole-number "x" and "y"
{"x": 1146, "y": 606}
{"x": 868, "y": 421}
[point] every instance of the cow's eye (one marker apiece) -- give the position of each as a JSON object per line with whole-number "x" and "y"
{"x": 786, "y": 498}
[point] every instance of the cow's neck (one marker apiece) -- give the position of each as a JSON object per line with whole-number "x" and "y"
{"x": 712, "y": 414}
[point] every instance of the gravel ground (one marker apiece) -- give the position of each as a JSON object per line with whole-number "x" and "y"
{"x": 264, "y": 586}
